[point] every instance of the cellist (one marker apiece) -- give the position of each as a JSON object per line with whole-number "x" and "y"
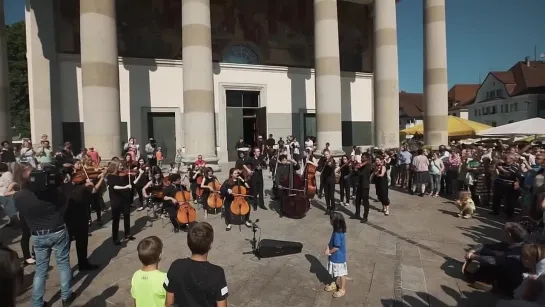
{"x": 170, "y": 204}
{"x": 226, "y": 193}
{"x": 208, "y": 178}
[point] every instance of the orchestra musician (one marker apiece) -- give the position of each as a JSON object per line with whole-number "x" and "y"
{"x": 363, "y": 171}
{"x": 270, "y": 142}
{"x": 344, "y": 184}
{"x": 153, "y": 188}
{"x": 227, "y": 195}
{"x": 328, "y": 168}
{"x": 120, "y": 190}
{"x": 257, "y": 163}
{"x": 240, "y": 161}
{"x": 194, "y": 172}
{"x": 141, "y": 180}
{"x": 208, "y": 178}
{"x": 261, "y": 144}
{"x": 77, "y": 212}
{"x": 283, "y": 173}
{"x": 170, "y": 204}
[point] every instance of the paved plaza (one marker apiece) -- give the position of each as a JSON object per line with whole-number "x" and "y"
{"x": 410, "y": 258}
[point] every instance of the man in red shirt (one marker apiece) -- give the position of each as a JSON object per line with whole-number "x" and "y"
{"x": 95, "y": 157}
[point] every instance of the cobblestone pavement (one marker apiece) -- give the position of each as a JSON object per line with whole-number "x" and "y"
{"x": 410, "y": 258}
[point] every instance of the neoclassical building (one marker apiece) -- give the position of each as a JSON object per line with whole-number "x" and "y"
{"x": 199, "y": 74}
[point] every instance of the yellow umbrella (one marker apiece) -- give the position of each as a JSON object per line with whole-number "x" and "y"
{"x": 456, "y": 127}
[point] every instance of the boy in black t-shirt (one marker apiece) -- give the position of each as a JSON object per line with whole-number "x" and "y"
{"x": 195, "y": 282}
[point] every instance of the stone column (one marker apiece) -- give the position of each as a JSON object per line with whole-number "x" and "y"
{"x": 43, "y": 74}
{"x": 386, "y": 81}
{"x": 435, "y": 74}
{"x": 5, "y": 126}
{"x": 328, "y": 75}
{"x": 198, "y": 82}
{"x": 100, "y": 77}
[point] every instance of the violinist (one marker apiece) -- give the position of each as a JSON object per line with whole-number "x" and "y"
{"x": 283, "y": 173}
{"x": 128, "y": 163}
{"x": 77, "y": 212}
{"x": 120, "y": 190}
{"x": 227, "y": 195}
{"x": 344, "y": 180}
{"x": 80, "y": 177}
{"x": 141, "y": 180}
{"x": 363, "y": 171}
{"x": 327, "y": 177}
{"x": 170, "y": 204}
{"x": 152, "y": 190}
{"x": 208, "y": 178}
{"x": 257, "y": 163}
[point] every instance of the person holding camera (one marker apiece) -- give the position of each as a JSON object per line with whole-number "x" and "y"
{"x": 42, "y": 207}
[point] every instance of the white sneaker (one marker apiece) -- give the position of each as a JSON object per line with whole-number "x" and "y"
{"x": 140, "y": 208}
{"x": 30, "y": 261}
{"x": 248, "y": 224}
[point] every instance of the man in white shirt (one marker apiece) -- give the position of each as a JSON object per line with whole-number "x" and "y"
{"x": 6, "y": 178}
{"x": 309, "y": 144}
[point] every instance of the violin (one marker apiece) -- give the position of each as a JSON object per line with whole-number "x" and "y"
{"x": 186, "y": 214}
{"x": 79, "y": 177}
{"x": 214, "y": 199}
{"x": 239, "y": 206}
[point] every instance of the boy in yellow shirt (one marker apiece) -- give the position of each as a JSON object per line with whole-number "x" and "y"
{"x": 147, "y": 283}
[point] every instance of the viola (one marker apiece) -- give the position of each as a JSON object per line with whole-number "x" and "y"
{"x": 214, "y": 199}
{"x": 239, "y": 206}
{"x": 186, "y": 213}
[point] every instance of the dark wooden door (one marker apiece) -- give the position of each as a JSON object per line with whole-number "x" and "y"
{"x": 235, "y": 130}
{"x": 162, "y": 127}
{"x": 262, "y": 122}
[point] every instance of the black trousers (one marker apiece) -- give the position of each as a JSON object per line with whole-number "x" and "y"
{"x": 362, "y": 198}
{"x": 321, "y": 188}
{"x": 257, "y": 192}
{"x": 344, "y": 187}
{"x": 117, "y": 210}
{"x": 25, "y": 238}
{"x": 78, "y": 230}
{"x": 152, "y": 162}
{"x": 329, "y": 191}
{"x": 382, "y": 191}
{"x": 171, "y": 210}
{"x": 95, "y": 205}
{"x": 508, "y": 194}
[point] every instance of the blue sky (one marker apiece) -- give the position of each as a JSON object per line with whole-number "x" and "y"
{"x": 482, "y": 35}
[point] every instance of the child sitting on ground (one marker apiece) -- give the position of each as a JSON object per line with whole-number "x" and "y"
{"x": 466, "y": 205}
{"x": 147, "y": 283}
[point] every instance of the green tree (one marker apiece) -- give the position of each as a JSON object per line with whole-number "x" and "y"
{"x": 18, "y": 77}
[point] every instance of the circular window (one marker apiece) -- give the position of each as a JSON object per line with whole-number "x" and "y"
{"x": 239, "y": 54}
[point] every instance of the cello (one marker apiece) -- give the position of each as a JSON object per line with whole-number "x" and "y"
{"x": 199, "y": 179}
{"x": 214, "y": 199}
{"x": 310, "y": 180}
{"x": 239, "y": 205}
{"x": 295, "y": 202}
{"x": 186, "y": 214}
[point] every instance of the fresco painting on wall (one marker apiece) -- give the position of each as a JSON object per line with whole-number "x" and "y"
{"x": 280, "y": 32}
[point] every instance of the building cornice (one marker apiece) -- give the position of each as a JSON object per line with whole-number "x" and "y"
{"x": 217, "y": 66}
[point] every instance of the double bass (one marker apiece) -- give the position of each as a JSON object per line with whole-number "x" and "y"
{"x": 295, "y": 201}
{"x": 186, "y": 214}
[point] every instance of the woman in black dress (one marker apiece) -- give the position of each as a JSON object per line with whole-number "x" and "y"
{"x": 208, "y": 178}
{"x": 381, "y": 182}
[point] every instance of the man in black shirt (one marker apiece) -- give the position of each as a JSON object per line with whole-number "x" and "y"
{"x": 7, "y": 155}
{"x": 43, "y": 213}
{"x": 195, "y": 282}
{"x": 241, "y": 160}
{"x": 257, "y": 163}
{"x": 506, "y": 186}
{"x": 362, "y": 192}
{"x": 270, "y": 142}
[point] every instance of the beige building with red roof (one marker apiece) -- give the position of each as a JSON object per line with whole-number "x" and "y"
{"x": 509, "y": 96}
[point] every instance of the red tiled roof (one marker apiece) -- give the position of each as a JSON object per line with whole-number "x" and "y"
{"x": 523, "y": 77}
{"x": 463, "y": 105}
{"x": 462, "y": 95}
{"x": 412, "y": 103}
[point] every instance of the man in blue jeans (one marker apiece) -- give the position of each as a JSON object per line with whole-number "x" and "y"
{"x": 42, "y": 208}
